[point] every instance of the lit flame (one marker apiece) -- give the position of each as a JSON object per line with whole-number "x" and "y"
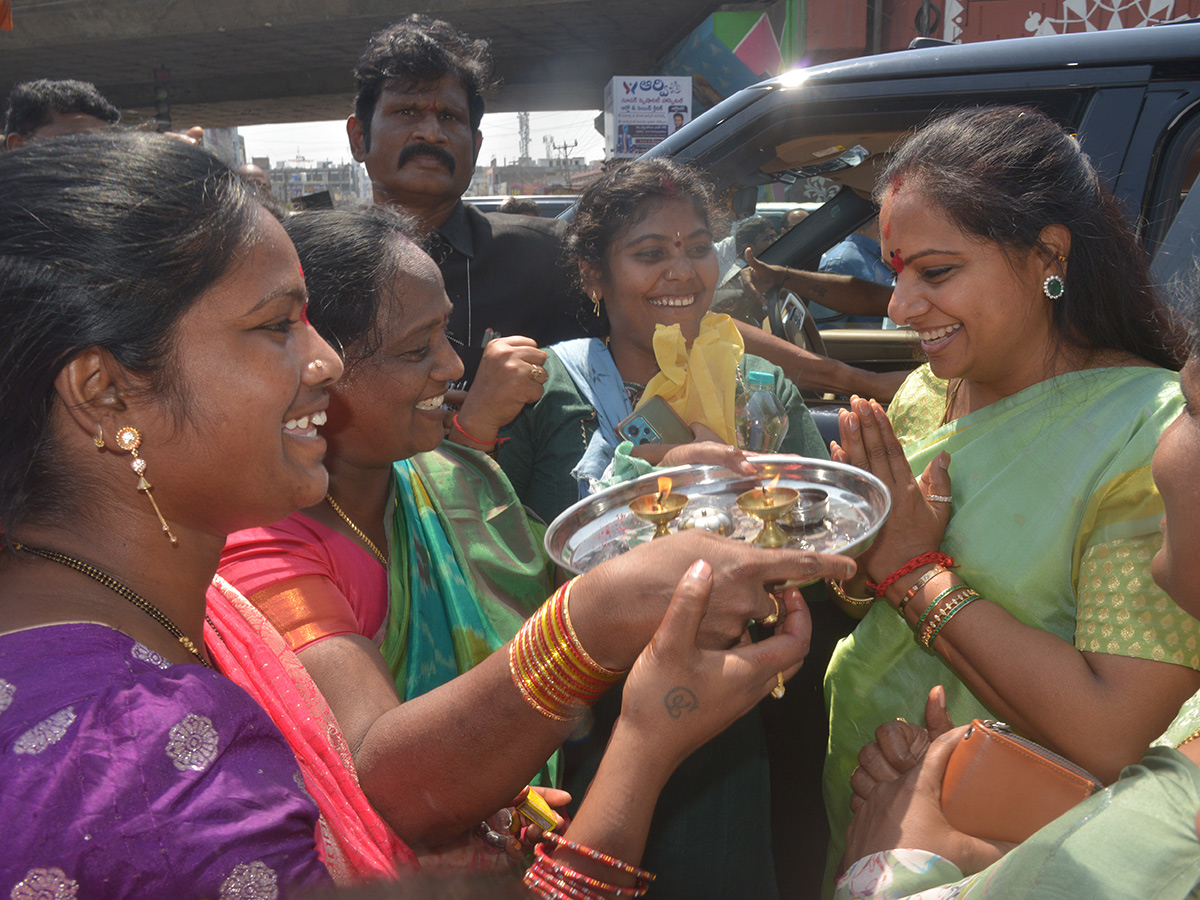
{"x": 664, "y": 489}
{"x": 768, "y": 500}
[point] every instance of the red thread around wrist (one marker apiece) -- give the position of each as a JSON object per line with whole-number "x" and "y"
{"x": 934, "y": 556}
{"x": 496, "y": 443}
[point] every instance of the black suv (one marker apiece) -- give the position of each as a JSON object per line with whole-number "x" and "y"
{"x": 1132, "y": 97}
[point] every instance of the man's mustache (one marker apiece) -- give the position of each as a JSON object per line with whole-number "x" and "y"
{"x": 425, "y": 150}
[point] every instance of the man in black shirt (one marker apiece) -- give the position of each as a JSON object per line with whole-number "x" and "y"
{"x": 416, "y": 128}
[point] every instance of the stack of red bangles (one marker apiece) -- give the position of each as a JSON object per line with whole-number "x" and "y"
{"x": 549, "y": 666}
{"x": 550, "y": 877}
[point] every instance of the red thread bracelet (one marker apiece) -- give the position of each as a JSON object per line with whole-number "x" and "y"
{"x": 934, "y": 556}
{"x": 496, "y": 443}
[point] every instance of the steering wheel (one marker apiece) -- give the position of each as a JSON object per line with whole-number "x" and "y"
{"x": 789, "y": 318}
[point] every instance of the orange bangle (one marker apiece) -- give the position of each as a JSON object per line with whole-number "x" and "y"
{"x": 549, "y": 666}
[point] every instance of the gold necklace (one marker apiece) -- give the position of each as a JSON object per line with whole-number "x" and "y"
{"x": 117, "y": 588}
{"x": 1187, "y": 740}
{"x": 383, "y": 560}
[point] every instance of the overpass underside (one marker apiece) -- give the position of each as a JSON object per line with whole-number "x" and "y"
{"x": 244, "y": 62}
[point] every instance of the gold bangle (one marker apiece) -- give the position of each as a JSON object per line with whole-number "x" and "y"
{"x": 920, "y": 583}
{"x": 860, "y": 602}
{"x": 585, "y": 657}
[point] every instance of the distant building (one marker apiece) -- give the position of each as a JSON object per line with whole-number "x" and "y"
{"x": 527, "y": 176}
{"x": 227, "y": 144}
{"x": 345, "y": 182}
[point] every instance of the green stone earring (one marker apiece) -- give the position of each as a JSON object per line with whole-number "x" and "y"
{"x": 1053, "y": 287}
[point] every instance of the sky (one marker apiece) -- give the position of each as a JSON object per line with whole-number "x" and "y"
{"x": 327, "y": 140}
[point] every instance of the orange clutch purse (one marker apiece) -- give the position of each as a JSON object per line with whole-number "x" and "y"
{"x": 1003, "y": 787}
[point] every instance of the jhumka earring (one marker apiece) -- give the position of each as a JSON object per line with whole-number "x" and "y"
{"x": 596, "y": 302}
{"x": 98, "y": 440}
{"x": 1053, "y": 287}
{"x": 130, "y": 439}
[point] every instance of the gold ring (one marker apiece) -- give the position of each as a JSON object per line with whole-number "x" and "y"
{"x": 536, "y": 373}
{"x": 778, "y": 691}
{"x": 771, "y": 619}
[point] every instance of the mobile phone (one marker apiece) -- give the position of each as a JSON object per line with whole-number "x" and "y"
{"x": 654, "y": 422}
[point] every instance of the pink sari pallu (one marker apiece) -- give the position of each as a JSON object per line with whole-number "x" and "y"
{"x": 354, "y": 842}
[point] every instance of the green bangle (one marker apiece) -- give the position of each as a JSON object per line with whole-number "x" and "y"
{"x": 936, "y": 600}
{"x": 962, "y": 604}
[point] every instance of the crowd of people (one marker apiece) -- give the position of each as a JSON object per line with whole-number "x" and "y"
{"x": 276, "y": 614}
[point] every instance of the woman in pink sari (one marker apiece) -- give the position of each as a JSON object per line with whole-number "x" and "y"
{"x": 441, "y": 733}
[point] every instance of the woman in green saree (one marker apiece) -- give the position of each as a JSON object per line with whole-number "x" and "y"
{"x": 1137, "y": 838}
{"x": 1051, "y": 375}
{"x": 401, "y": 591}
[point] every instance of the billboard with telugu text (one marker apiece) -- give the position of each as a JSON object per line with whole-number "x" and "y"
{"x": 641, "y": 110}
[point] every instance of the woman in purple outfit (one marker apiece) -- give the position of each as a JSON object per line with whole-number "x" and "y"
{"x": 152, "y": 315}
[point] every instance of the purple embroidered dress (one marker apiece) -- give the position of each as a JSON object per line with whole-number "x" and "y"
{"x": 123, "y": 775}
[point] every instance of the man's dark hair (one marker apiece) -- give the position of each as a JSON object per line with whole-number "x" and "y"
{"x": 31, "y": 103}
{"x": 750, "y": 230}
{"x": 415, "y": 52}
{"x": 519, "y": 206}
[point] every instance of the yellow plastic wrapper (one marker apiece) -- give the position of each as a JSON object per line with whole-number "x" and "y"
{"x": 700, "y": 384}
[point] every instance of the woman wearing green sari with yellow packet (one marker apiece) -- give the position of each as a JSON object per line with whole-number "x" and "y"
{"x": 1025, "y": 515}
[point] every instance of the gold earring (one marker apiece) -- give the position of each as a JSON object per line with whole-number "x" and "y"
{"x": 98, "y": 439}
{"x": 130, "y": 439}
{"x": 596, "y": 302}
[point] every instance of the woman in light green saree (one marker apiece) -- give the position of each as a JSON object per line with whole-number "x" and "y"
{"x": 1022, "y": 451}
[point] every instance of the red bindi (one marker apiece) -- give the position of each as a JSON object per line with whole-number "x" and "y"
{"x": 897, "y": 261}
{"x": 304, "y": 315}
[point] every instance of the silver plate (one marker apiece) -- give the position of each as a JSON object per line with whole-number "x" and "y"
{"x": 602, "y": 526}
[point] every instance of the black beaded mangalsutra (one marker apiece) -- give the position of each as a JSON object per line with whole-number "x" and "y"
{"x": 117, "y": 588}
